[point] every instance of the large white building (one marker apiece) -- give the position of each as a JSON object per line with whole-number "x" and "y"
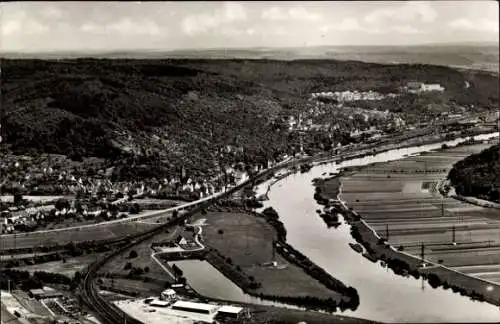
{"x": 200, "y": 308}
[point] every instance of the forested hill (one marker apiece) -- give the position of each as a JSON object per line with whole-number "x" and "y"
{"x": 186, "y": 109}
{"x": 478, "y": 175}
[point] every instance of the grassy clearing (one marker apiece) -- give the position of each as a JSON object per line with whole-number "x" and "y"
{"x": 96, "y": 233}
{"x": 67, "y": 268}
{"x": 117, "y": 264}
{"x": 247, "y": 240}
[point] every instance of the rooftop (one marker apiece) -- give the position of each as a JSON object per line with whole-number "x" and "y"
{"x": 187, "y": 304}
{"x": 230, "y": 309}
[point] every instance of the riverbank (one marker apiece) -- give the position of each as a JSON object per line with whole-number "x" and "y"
{"x": 250, "y": 249}
{"x": 402, "y": 263}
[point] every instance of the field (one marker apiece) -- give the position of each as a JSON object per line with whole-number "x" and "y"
{"x": 96, "y": 233}
{"x": 143, "y": 259}
{"x": 247, "y": 240}
{"x": 400, "y": 201}
{"x": 67, "y": 268}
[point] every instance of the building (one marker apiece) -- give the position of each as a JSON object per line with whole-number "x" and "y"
{"x": 168, "y": 295}
{"x": 159, "y": 303}
{"x": 431, "y": 87}
{"x": 423, "y": 87}
{"x": 181, "y": 240}
{"x": 43, "y": 294}
{"x": 230, "y": 312}
{"x": 199, "y": 308}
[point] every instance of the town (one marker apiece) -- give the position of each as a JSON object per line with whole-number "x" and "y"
{"x": 234, "y": 162}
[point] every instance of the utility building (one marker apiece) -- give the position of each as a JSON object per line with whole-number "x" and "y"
{"x": 194, "y": 307}
{"x": 230, "y": 312}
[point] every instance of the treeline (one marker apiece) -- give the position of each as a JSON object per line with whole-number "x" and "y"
{"x": 294, "y": 256}
{"x": 73, "y": 249}
{"x": 17, "y": 279}
{"x": 478, "y": 175}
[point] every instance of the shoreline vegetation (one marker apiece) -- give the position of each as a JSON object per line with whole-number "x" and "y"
{"x": 249, "y": 285}
{"x": 377, "y": 249}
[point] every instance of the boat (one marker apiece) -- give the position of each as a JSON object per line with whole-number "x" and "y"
{"x": 356, "y": 247}
{"x": 370, "y": 257}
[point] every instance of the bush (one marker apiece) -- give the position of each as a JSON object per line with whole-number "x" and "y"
{"x": 132, "y": 254}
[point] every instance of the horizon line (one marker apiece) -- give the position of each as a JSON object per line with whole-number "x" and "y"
{"x": 464, "y": 43}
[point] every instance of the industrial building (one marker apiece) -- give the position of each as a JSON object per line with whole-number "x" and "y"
{"x": 168, "y": 295}
{"x": 159, "y": 303}
{"x": 200, "y": 308}
{"x": 230, "y": 312}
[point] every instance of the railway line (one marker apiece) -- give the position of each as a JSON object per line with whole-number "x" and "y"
{"x": 109, "y": 313}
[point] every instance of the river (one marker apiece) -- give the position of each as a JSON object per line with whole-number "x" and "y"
{"x": 384, "y": 296}
{"x": 208, "y": 281}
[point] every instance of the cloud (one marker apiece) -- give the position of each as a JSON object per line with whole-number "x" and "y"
{"x": 125, "y": 26}
{"x": 52, "y": 13}
{"x": 349, "y": 24}
{"x": 409, "y": 12}
{"x": 204, "y": 22}
{"x": 17, "y": 24}
{"x": 406, "y": 29}
{"x": 480, "y": 25}
{"x": 10, "y": 27}
{"x": 295, "y": 13}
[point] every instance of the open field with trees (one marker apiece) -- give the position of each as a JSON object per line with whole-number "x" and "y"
{"x": 401, "y": 202}
{"x": 246, "y": 240}
{"x": 66, "y": 266}
{"x": 93, "y": 233}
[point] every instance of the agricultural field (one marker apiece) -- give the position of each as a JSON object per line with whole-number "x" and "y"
{"x": 247, "y": 240}
{"x": 401, "y": 202}
{"x": 96, "y": 233}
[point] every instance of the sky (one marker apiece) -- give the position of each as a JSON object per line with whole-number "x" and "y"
{"x": 107, "y": 26}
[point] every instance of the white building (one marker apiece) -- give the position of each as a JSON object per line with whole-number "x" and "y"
{"x": 230, "y": 311}
{"x": 194, "y": 307}
{"x": 431, "y": 87}
{"x": 168, "y": 295}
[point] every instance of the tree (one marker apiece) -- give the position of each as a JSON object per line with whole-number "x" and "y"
{"x": 220, "y": 232}
{"x": 132, "y": 254}
{"x": 78, "y": 206}
{"x": 135, "y": 209}
{"x": 128, "y": 266}
{"x": 62, "y": 203}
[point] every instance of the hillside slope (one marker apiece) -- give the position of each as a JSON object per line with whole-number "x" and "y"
{"x": 185, "y": 111}
{"x": 478, "y": 175}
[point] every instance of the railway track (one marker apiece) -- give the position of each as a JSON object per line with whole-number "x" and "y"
{"x": 108, "y": 312}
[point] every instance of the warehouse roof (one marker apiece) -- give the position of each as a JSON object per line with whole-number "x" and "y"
{"x": 186, "y": 304}
{"x": 230, "y": 309}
